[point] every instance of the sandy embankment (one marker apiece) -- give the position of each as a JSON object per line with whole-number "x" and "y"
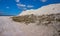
{"x": 10, "y": 28}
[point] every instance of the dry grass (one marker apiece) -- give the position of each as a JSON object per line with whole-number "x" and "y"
{"x": 33, "y": 18}
{"x": 27, "y": 18}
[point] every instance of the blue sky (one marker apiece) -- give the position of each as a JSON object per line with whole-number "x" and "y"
{"x": 14, "y": 7}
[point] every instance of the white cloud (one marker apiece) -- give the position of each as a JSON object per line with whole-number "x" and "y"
{"x": 22, "y": 8}
{"x": 17, "y": 0}
{"x": 49, "y": 9}
{"x": 43, "y": 0}
{"x": 21, "y": 5}
{"x": 30, "y": 6}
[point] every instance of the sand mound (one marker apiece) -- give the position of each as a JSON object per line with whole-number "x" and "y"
{"x": 52, "y": 8}
{"x": 10, "y": 28}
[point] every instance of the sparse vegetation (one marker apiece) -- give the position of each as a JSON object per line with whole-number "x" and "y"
{"x": 27, "y": 18}
{"x": 33, "y": 18}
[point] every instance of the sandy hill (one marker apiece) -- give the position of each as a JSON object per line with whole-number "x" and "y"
{"x": 45, "y": 25}
{"x": 48, "y": 9}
